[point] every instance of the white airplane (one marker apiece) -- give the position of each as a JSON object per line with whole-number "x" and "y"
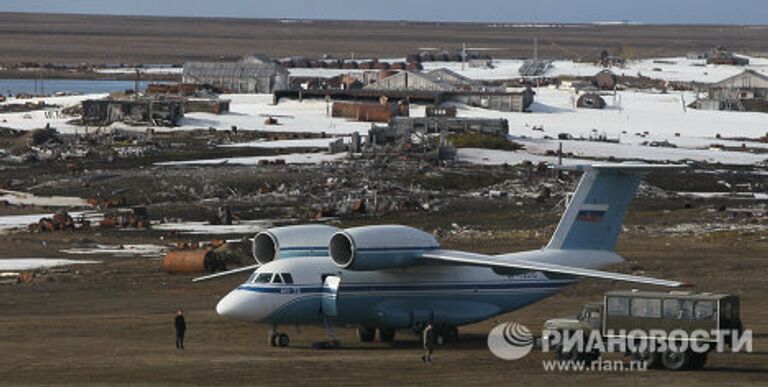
{"x": 389, "y": 278}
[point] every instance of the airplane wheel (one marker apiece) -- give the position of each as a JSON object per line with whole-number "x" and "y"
{"x": 272, "y": 339}
{"x": 451, "y": 334}
{"x": 366, "y": 335}
{"x": 282, "y": 340}
{"x": 387, "y": 335}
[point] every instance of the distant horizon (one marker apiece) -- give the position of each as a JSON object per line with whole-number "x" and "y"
{"x": 513, "y": 23}
{"x": 649, "y": 12}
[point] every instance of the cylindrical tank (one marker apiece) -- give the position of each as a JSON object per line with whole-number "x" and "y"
{"x": 187, "y": 261}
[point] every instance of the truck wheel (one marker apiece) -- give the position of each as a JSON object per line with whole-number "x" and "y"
{"x": 651, "y": 359}
{"x": 366, "y": 335}
{"x": 698, "y": 360}
{"x": 386, "y": 335}
{"x": 562, "y": 355}
{"x": 676, "y": 360}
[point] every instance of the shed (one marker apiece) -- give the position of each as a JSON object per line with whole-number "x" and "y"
{"x": 591, "y": 101}
{"x": 605, "y": 80}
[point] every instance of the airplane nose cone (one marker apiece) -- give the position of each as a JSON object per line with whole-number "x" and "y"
{"x": 229, "y": 305}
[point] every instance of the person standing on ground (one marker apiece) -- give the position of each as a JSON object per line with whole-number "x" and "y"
{"x": 428, "y": 337}
{"x": 181, "y": 327}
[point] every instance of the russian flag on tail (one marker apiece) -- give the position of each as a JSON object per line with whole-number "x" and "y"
{"x": 592, "y": 212}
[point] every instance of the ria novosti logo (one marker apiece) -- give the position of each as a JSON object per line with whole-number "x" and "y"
{"x": 510, "y": 341}
{"x": 513, "y": 341}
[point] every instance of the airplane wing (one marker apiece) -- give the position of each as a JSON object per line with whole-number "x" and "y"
{"x": 491, "y": 261}
{"x": 226, "y": 273}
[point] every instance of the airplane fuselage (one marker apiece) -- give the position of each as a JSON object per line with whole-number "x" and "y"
{"x": 401, "y": 298}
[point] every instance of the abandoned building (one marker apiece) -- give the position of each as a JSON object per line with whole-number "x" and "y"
{"x": 255, "y": 73}
{"x": 605, "y": 80}
{"x": 369, "y": 112}
{"x": 403, "y": 127}
{"x": 747, "y": 91}
{"x": 435, "y": 80}
{"x": 591, "y": 101}
{"x": 406, "y": 80}
{"x": 206, "y": 105}
{"x": 721, "y": 56}
{"x": 103, "y": 112}
{"x": 500, "y": 101}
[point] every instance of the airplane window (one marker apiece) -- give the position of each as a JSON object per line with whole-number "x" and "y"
{"x": 263, "y": 278}
{"x": 276, "y": 279}
{"x": 287, "y": 278}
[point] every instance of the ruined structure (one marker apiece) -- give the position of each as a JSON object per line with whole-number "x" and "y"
{"x": 255, "y": 73}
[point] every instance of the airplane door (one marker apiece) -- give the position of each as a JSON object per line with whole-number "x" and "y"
{"x": 330, "y": 295}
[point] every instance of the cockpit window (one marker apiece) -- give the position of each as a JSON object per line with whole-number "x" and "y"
{"x": 287, "y": 278}
{"x": 263, "y": 278}
{"x": 276, "y": 279}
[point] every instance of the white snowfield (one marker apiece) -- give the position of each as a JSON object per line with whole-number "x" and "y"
{"x": 667, "y": 69}
{"x": 143, "y": 70}
{"x": 291, "y": 158}
{"x": 203, "y": 228}
{"x": 631, "y": 116}
{"x": 145, "y": 251}
{"x": 14, "y": 222}
{"x": 28, "y": 199}
{"x": 18, "y": 264}
{"x": 279, "y": 144}
{"x": 628, "y": 117}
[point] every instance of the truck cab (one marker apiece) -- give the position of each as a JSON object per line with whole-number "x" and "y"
{"x": 702, "y": 316}
{"x": 590, "y": 318}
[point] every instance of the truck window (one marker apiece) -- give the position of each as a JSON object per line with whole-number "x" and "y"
{"x": 617, "y": 306}
{"x": 646, "y": 307}
{"x": 678, "y": 309}
{"x": 704, "y": 310}
{"x": 726, "y": 310}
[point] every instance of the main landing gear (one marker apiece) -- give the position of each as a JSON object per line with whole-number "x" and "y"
{"x": 277, "y": 339}
{"x": 367, "y": 335}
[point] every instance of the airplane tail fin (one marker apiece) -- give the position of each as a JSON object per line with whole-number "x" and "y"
{"x": 596, "y": 212}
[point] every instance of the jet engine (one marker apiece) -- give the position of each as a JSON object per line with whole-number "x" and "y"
{"x": 380, "y": 247}
{"x": 292, "y": 241}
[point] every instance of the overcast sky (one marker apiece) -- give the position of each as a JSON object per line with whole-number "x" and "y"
{"x": 562, "y": 11}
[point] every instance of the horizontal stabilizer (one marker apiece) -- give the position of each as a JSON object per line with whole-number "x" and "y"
{"x": 497, "y": 262}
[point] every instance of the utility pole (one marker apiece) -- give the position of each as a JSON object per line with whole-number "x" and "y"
{"x": 463, "y": 55}
{"x": 136, "y": 82}
{"x": 535, "y": 48}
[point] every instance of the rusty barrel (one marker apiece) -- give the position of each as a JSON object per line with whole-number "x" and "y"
{"x": 187, "y": 261}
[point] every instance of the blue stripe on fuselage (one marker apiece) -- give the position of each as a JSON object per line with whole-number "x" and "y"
{"x": 304, "y": 289}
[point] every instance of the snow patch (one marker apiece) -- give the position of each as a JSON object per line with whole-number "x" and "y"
{"x": 14, "y": 264}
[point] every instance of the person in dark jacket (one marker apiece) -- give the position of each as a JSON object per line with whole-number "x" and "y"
{"x": 181, "y": 326}
{"x": 428, "y": 337}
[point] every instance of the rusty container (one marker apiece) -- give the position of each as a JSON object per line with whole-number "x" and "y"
{"x": 187, "y": 261}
